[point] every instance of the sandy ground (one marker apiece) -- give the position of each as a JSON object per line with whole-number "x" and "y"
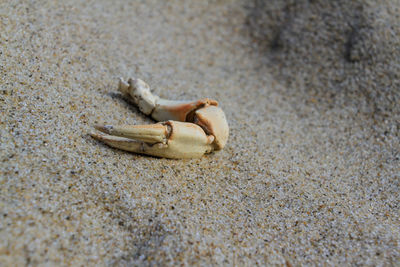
{"x": 311, "y": 171}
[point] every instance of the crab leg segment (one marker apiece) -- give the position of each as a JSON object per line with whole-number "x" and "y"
{"x": 158, "y": 108}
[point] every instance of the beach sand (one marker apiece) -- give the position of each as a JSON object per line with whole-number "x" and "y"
{"x": 311, "y": 171}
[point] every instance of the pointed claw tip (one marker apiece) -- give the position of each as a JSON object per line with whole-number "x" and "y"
{"x": 95, "y": 135}
{"x": 103, "y": 128}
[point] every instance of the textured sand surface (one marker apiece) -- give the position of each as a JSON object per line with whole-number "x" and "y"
{"x": 311, "y": 171}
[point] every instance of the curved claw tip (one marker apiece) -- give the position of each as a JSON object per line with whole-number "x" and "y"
{"x": 103, "y": 128}
{"x": 95, "y": 135}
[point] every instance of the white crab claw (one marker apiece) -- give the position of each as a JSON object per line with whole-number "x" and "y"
{"x": 170, "y": 139}
{"x": 204, "y": 112}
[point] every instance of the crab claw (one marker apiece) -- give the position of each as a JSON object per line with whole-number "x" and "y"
{"x": 204, "y": 112}
{"x": 170, "y": 139}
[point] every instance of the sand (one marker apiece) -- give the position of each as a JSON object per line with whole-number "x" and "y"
{"x": 310, "y": 175}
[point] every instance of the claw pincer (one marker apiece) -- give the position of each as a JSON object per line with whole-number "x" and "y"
{"x": 187, "y": 129}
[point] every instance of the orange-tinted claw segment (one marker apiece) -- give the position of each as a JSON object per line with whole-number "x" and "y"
{"x": 179, "y": 110}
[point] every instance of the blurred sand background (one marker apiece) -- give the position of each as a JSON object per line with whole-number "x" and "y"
{"x": 311, "y": 171}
